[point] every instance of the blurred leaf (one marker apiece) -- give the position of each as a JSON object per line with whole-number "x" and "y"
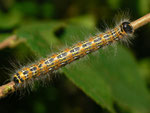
{"x": 143, "y": 6}
{"x": 40, "y": 36}
{"x": 28, "y": 8}
{"x": 10, "y": 20}
{"x": 114, "y": 4}
{"x": 84, "y": 21}
{"x": 104, "y": 78}
{"x": 48, "y": 10}
{"x": 145, "y": 68}
{"x": 107, "y": 79}
{"x": 78, "y": 29}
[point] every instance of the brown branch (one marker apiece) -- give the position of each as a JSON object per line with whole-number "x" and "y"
{"x": 10, "y": 87}
{"x": 7, "y": 89}
{"x": 8, "y": 42}
{"x": 11, "y": 42}
{"x": 141, "y": 21}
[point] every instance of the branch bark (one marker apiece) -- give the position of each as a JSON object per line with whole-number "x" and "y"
{"x": 7, "y": 89}
{"x": 10, "y": 87}
{"x": 8, "y": 42}
{"x": 141, "y": 21}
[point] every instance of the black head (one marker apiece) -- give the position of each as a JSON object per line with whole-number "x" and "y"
{"x": 126, "y": 26}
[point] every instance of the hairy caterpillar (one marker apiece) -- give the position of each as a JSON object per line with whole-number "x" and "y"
{"x": 79, "y": 50}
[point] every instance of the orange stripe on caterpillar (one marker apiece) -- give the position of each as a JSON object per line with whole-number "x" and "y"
{"x": 73, "y": 53}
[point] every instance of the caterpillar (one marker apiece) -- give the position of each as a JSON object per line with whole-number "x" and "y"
{"x": 79, "y": 50}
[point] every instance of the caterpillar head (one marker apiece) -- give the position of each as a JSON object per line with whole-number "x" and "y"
{"x": 127, "y": 28}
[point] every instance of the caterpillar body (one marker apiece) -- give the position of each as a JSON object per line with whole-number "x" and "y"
{"x": 73, "y": 53}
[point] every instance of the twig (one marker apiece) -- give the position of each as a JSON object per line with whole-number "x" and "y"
{"x": 8, "y": 42}
{"x": 10, "y": 87}
{"x": 7, "y": 89}
{"x": 141, "y": 21}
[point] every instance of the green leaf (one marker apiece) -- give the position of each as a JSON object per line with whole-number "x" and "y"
{"x": 40, "y": 36}
{"x": 107, "y": 78}
{"x": 114, "y": 4}
{"x": 10, "y": 20}
{"x": 143, "y": 6}
{"x": 144, "y": 68}
{"x": 103, "y": 77}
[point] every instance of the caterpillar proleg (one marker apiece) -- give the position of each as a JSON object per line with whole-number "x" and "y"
{"x": 79, "y": 50}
